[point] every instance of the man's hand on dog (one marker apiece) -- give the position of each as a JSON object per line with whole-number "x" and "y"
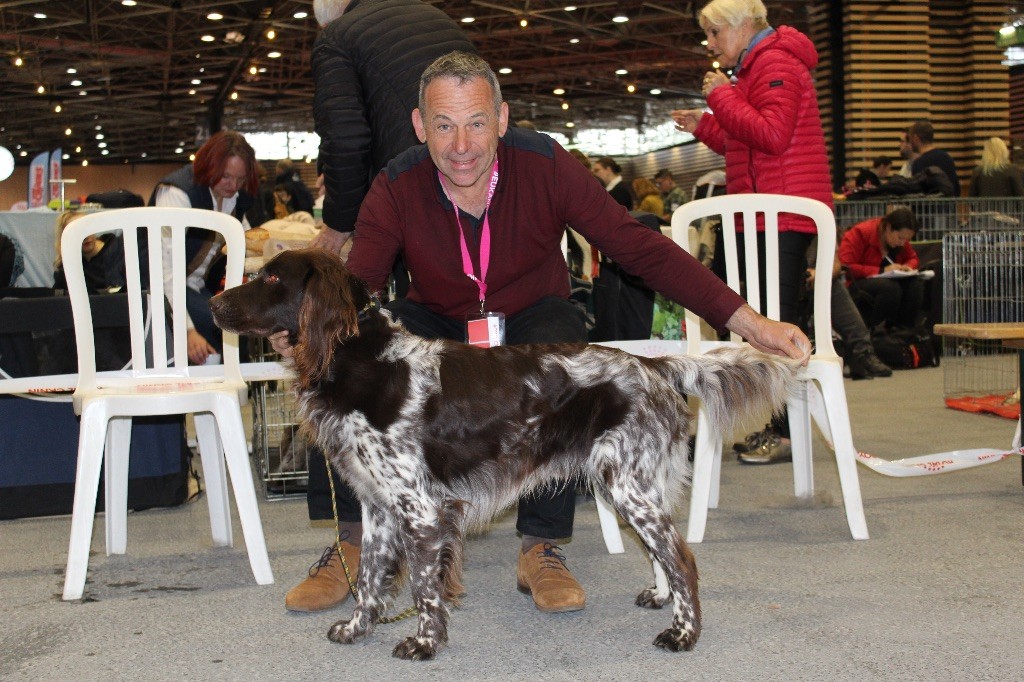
{"x": 769, "y": 336}
{"x": 279, "y": 342}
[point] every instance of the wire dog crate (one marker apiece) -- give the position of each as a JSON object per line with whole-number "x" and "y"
{"x": 983, "y": 282}
{"x": 281, "y": 452}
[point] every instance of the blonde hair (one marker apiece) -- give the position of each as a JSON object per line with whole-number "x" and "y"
{"x": 994, "y": 156}
{"x": 63, "y": 220}
{"x": 644, "y": 187}
{"x": 327, "y": 11}
{"x": 733, "y": 13}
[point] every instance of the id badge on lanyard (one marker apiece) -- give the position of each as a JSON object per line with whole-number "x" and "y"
{"x": 483, "y": 329}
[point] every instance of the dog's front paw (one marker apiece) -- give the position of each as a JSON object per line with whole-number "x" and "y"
{"x": 650, "y": 599}
{"x": 675, "y": 639}
{"x": 416, "y": 649}
{"x": 348, "y": 631}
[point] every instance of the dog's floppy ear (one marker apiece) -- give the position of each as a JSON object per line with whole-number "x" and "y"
{"x": 329, "y": 314}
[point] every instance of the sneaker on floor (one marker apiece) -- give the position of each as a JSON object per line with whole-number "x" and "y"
{"x": 326, "y": 586}
{"x": 771, "y": 450}
{"x": 542, "y": 573}
{"x": 751, "y": 442}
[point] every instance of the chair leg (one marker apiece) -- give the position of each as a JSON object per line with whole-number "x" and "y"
{"x": 229, "y": 419}
{"x": 87, "y": 483}
{"x": 704, "y": 457}
{"x": 609, "y": 525}
{"x": 846, "y": 454}
{"x": 115, "y": 479}
{"x": 800, "y": 442}
{"x": 216, "y": 479}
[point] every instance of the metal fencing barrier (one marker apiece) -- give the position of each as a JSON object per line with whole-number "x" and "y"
{"x": 938, "y": 215}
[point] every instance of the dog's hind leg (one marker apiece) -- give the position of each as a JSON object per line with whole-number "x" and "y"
{"x": 667, "y": 548}
{"x": 380, "y": 563}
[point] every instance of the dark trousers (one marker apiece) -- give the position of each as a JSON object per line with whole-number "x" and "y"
{"x": 546, "y": 514}
{"x": 894, "y": 302}
{"x": 792, "y": 268}
{"x": 623, "y": 306}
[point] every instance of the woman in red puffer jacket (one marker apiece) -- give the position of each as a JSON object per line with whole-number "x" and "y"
{"x": 765, "y": 122}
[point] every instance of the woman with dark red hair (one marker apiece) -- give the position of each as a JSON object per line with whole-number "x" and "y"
{"x": 222, "y": 178}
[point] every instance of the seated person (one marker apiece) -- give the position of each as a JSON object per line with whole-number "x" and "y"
{"x": 102, "y": 258}
{"x": 860, "y": 355}
{"x": 877, "y": 246}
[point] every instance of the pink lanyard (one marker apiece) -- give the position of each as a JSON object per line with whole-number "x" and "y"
{"x": 485, "y": 236}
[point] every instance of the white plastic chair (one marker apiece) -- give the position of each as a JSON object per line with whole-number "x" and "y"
{"x": 825, "y": 368}
{"x": 108, "y": 403}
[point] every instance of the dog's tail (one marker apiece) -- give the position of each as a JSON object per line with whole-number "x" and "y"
{"x": 740, "y": 387}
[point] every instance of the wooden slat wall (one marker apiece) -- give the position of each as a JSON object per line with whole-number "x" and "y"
{"x": 1017, "y": 112}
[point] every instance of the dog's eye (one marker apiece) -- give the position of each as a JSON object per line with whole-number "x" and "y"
{"x": 272, "y": 279}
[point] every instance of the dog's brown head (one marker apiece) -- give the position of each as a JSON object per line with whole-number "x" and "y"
{"x": 308, "y": 293}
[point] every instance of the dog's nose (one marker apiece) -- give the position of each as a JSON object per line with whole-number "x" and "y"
{"x": 216, "y": 303}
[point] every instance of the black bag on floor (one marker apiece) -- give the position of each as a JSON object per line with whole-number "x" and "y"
{"x": 116, "y": 198}
{"x": 906, "y": 348}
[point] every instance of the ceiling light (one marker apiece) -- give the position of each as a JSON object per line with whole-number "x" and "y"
{"x": 253, "y": 70}
{"x": 271, "y": 34}
{"x": 143, "y": 154}
{"x": 99, "y": 136}
{"x": 99, "y": 127}
{"x": 524, "y": 23}
{"x": 39, "y": 15}
{"x": 274, "y": 55}
{"x": 468, "y": 20}
{"x": 18, "y": 61}
{"x": 82, "y": 93}
{"x": 102, "y": 145}
{"x": 191, "y": 157}
{"x": 214, "y": 16}
{"x": 573, "y": 41}
{"x": 192, "y": 91}
{"x": 57, "y": 108}
{"x": 78, "y": 150}
{"x": 105, "y": 152}
{"x": 620, "y": 18}
{"x": 234, "y": 95}
{"x": 67, "y": 131}
{"x": 178, "y": 150}
{"x": 570, "y": 8}
{"x": 655, "y": 91}
{"x": 505, "y": 70}
{"x": 85, "y": 162}
{"x": 570, "y": 124}
{"x": 75, "y": 83}
{"x": 72, "y": 69}
{"x": 207, "y": 38}
{"x": 300, "y": 14}
{"x": 704, "y": 43}
{"x": 559, "y": 91}
{"x": 630, "y": 88}
{"x": 715, "y": 65}
{"x": 23, "y": 153}
{"x": 196, "y": 81}
{"x": 621, "y": 72}
{"x": 65, "y": 156}
{"x": 41, "y": 89}
{"x": 262, "y": 69}
{"x": 565, "y": 106}
{"x": 129, "y": 3}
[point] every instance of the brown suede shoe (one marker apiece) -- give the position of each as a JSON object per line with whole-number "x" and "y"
{"x": 542, "y": 573}
{"x": 326, "y": 586}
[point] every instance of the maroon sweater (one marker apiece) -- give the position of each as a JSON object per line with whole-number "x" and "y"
{"x": 541, "y": 189}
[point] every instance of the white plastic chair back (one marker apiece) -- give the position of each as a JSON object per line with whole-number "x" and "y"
{"x": 153, "y": 223}
{"x": 824, "y": 368}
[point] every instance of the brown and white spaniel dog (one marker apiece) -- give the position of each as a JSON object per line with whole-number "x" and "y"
{"x": 435, "y": 436}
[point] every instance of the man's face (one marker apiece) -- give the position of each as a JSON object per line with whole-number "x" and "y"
{"x": 664, "y": 183}
{"x": 905, "y": 149}
{"x": 603, "y": 172}
{"x": 915, "y": 143}
{"x": 461, "y": 129}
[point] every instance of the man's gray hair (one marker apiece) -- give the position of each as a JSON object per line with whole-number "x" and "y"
{"x": 327, "y": 11}
{"x": 463, "y": 67}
